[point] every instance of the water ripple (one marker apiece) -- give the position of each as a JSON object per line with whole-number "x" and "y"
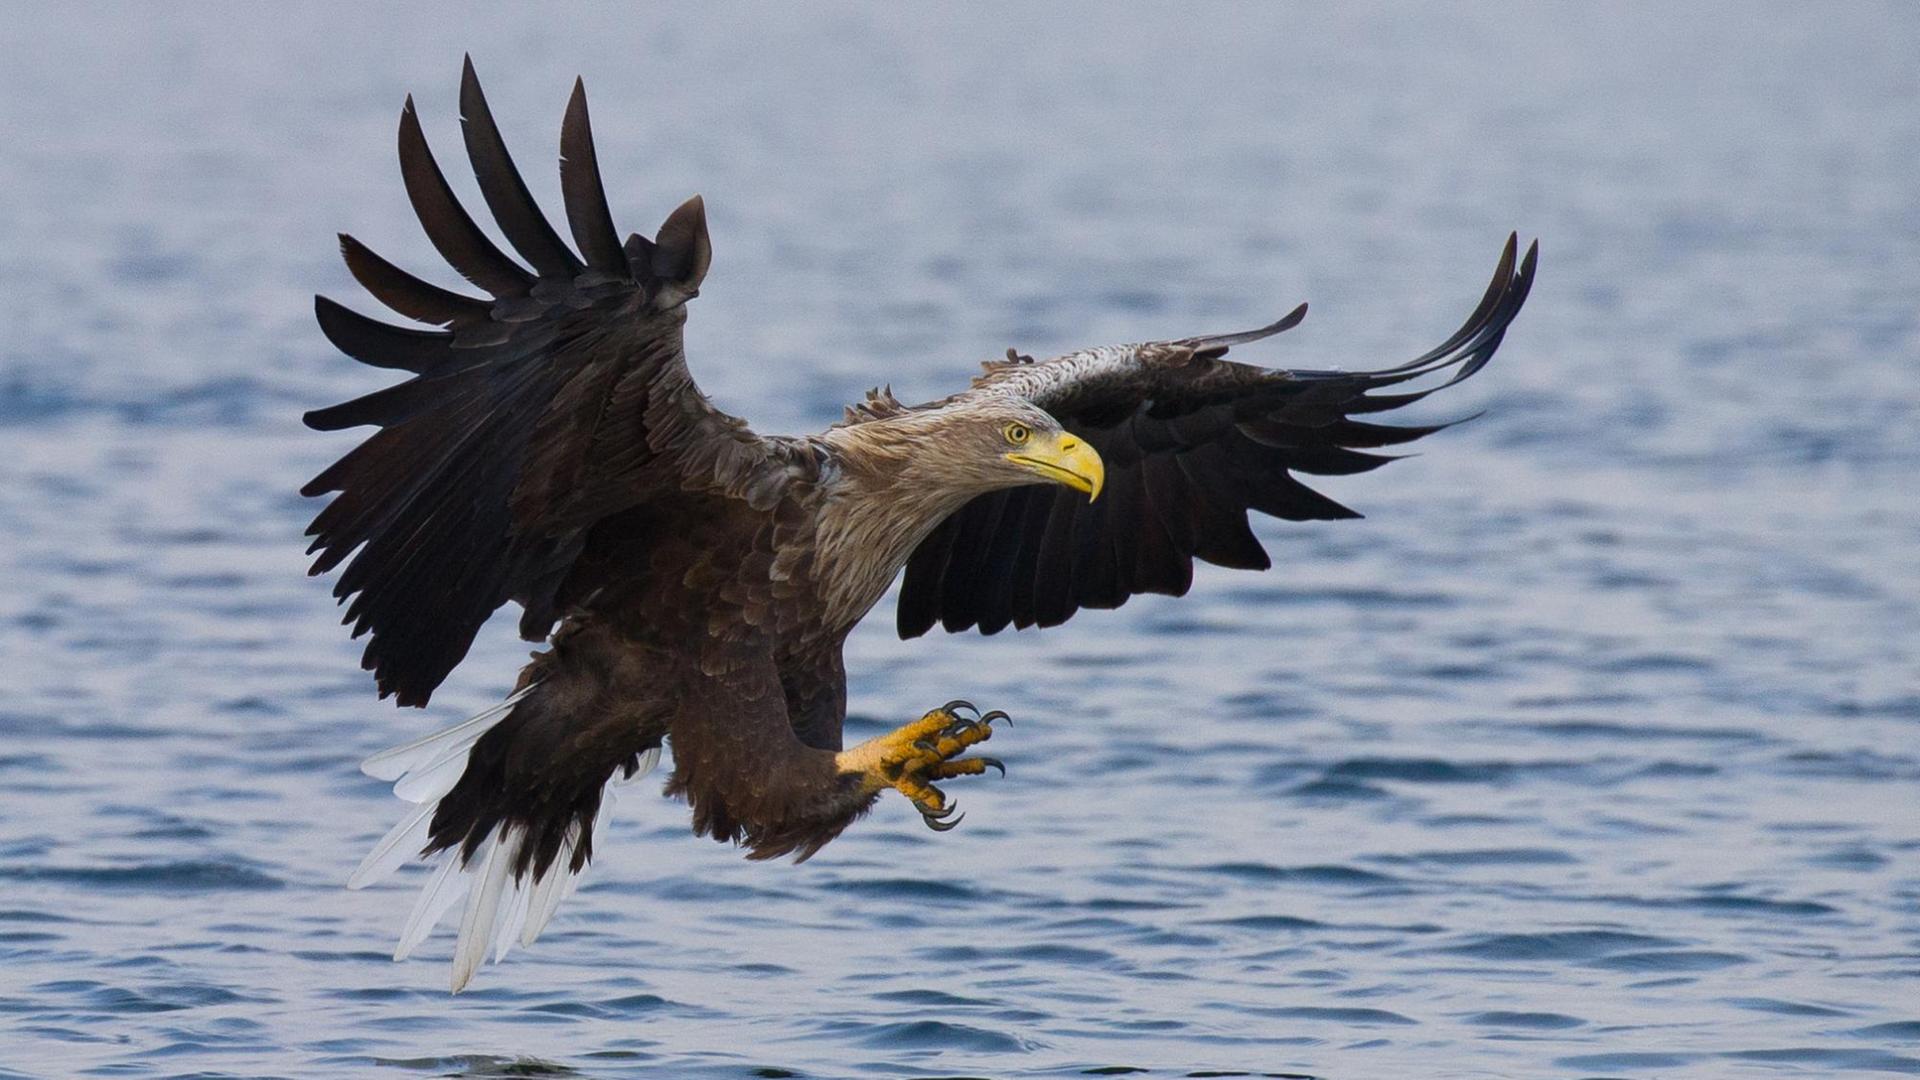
{"x": 1589, "y": 752}
{"x": 1558, "y": 945}
{"x": 155, "y": 877}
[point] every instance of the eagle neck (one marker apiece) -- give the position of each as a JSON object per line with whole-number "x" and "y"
{"x": 879, "y": 509}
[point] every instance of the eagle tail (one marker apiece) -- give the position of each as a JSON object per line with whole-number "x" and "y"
{"x": 510, "y": 898}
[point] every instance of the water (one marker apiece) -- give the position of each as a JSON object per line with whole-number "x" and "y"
{"x": 1592, "y": 752}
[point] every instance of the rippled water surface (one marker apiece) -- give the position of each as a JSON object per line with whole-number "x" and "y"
{"x": 1593, "y": 751}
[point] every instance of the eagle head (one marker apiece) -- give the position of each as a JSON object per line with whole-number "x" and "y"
{"x": 1000, "y": 442}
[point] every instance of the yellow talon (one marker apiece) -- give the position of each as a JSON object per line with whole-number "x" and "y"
{"x": 910, "y": 758}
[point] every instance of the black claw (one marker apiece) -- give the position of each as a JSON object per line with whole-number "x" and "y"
{"x": 997, "y": 715}
{"x": 944, "y": 826}
{"x": 959, "y": 727}
{"x": 945, "y": 811}
{"x": 957, "y": 704}
{"x": 923, "y": 744}
{"x": 987, "y": 762}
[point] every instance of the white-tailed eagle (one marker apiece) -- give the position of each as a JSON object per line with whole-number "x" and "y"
{"x": 695, "y": 580}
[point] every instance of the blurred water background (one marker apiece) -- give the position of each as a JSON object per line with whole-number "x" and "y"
{"x": 1591, "y": 752}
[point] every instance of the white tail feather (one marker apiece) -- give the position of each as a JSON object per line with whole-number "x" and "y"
{"x": 506, "y": 929}
{"x": 502, "y": 909}
{"x": 443, "y": 890}
{"x": 643, "y": 765}
{"x": 551, "y": 889}
{"x": 483, "y": 905}
{"x": 435, "y": 778}
{"x": 402, "y": 843}
{"x": 394, "y": 762}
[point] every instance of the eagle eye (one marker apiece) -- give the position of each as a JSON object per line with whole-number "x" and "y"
{"x": 1018, "y": 433}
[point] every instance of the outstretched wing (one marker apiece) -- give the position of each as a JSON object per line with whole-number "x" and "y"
{"x": 531, "y": 415}
{"x": 1191, "y": 442}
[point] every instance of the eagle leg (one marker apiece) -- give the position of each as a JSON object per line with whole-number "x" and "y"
{"x": 911, "y": 758}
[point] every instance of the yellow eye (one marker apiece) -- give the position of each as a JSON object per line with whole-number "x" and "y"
{"x": 1018, "y": 433}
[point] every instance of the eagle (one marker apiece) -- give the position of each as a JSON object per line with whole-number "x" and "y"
{"x": 694, "y": 581}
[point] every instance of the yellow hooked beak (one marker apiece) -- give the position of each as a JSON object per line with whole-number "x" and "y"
{"x": 1065, "y": 459}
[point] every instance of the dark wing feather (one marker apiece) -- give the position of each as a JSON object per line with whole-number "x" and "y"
{"x": 587, "y": 213}
{"x": 407, "y": 294}
{"x": 506, "y": 194}
{"x": 1191, "y": 442}
{"x": 446, "y": 222}
{"x": 378, "y": 344}
{"x": 563, "y": 399}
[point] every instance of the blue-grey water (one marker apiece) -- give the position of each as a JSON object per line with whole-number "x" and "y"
{"x": 1593, "y": 751}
